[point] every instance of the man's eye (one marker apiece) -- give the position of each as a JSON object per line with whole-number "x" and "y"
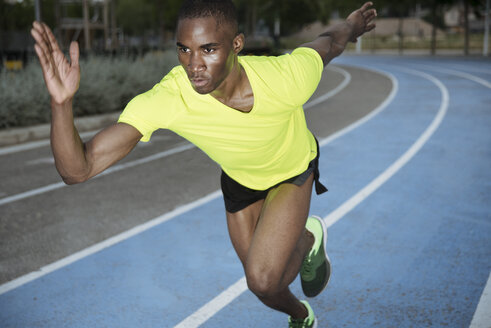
{"x": 183, "y": 50}
{"x": 208, "y": 50}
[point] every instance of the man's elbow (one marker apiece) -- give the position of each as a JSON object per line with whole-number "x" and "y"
{"x": 71, "y": 180}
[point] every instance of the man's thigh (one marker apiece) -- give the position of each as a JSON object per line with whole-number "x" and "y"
{"x": 280, "y": 225}
{"x": 241, "y": 227}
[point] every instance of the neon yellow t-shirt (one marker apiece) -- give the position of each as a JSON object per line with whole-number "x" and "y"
{"x": 258, "y": 149}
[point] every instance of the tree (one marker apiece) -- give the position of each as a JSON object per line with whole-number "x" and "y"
{"x": 468, "y": 5}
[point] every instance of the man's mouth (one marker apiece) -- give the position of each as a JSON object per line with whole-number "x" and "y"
{"x": 199, "y": 82}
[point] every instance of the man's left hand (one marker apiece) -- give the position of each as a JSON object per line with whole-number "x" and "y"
{"x": 361, "y": 20}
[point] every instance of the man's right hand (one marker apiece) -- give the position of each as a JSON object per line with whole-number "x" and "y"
{"x": 62, "y": 78}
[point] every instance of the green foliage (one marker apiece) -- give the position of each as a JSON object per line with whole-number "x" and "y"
{"x": 106, "y": 85}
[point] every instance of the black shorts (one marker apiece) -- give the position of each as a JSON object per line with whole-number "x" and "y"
{"x": 238, "y": 197}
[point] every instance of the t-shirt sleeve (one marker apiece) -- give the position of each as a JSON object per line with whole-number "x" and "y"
{"x": 305, "y": 67}
{"x": 150, "y": 111}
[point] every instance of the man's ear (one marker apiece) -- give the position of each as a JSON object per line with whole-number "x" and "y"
{"x": 238, "y": 43}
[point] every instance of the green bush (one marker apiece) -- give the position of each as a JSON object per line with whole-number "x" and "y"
{"x": 106, "y": 85}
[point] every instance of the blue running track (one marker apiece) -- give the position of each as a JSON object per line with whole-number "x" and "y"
{"x": 412, "y": 249}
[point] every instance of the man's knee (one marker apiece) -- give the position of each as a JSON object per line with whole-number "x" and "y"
{"x": 263, "y": 282}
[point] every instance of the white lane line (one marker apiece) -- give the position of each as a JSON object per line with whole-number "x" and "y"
{"x": 356, "y": 199}
{"x": 472, "y": 69}
{"x": 106, "y": 243}
{"x": 341, "y": 86}
{"x": 465, "y": 75}
{"x": 212, "y": 307}
{"x": 223, "y": 299}
{"x": 369, "y": 116}
{"x": 43, "y": 160}
{"x": 116, "y": 168}
{"x": 482, "y": 316}
{"x": 36, "y": 144}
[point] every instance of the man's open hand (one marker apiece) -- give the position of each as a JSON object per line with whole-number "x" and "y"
{"x": 362, "y": 20}
{"x": 62, "y": 78}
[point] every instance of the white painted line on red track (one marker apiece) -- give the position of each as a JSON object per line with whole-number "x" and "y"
{"x": 54, "y": 186}
{"x": 482, "y": 316}
{"x": 106, "y": 243}
{"x": 223, "y": 299}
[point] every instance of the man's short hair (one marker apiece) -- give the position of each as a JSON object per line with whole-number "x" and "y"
{"x": 223, "y": 11}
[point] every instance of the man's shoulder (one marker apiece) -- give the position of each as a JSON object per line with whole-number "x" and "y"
{"x": 169, "y": 86}
{"x": 175, "y": 79}
{"x": 301, "y": 56}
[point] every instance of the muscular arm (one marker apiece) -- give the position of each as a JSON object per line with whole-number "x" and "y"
{"x": 333, "y": 41}
{"x": 75, "y": 161}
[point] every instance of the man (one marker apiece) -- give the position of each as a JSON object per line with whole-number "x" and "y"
{"x": 246, "y": 114}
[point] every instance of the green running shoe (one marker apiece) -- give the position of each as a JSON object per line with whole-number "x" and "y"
{"x": 316, "y": 267}
{"x": 309, "y": 322}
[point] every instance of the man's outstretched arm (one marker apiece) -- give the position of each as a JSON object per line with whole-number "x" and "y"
{"x": 332, "y": 42}
{"x": 74, "y": 160}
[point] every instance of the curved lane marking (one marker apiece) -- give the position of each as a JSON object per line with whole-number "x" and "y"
{"x": 341, "y": 86}
{"x": 369, "y": 116}
{"x": 482, "y": 316}
{"x": 464, "y": 75}
{"x": 356, "y": 199}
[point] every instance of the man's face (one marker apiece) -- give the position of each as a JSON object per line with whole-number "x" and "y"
{"x": 206, "y": 51}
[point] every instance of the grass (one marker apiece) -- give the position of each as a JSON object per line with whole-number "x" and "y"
{"x": 106, "y": 85}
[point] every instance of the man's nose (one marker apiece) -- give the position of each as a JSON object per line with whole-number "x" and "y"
{"x": 196, "y": 63}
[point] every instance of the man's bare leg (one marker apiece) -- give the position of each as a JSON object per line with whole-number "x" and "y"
{"x": 270, "y": 239}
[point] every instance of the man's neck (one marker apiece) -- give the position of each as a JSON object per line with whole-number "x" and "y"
{"x": 233, "y": 86}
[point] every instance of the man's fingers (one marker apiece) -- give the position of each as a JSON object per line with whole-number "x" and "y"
{"x": 370, "y": 27}
{"x": 40, "y": 42}
{"x": 74, "y": 53}
{"x": 370, "y": 17}
{"x": 41, "y": 56}
{"x": 365, "y": 6}
{"x": 369, "y": 13}
{"x": 37, "y": 26}
{"x": 51, "y": 38}
{"x": 45, "y": 64}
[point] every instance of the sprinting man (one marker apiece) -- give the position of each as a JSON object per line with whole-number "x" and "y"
{"x": 246, "y": 114}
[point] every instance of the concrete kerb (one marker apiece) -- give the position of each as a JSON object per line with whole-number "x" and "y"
{"x": 16, "y": 136}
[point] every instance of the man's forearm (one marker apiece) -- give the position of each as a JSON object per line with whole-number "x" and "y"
{"x": 68, "y": 148}
{"x": 340, "y": 33}
{"x": 332, "y": 42}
